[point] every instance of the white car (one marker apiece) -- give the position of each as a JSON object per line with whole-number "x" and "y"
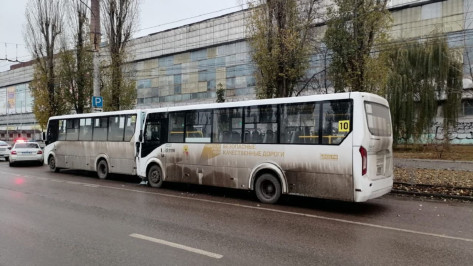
{"x": 4, "y": 150}
{"x": 26, "y": 152}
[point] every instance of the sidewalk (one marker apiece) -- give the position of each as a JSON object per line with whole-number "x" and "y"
{"x": 433, "y": 164}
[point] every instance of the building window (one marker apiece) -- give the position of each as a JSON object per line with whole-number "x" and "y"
{"x": 431, "y": 11}
{"x": 468, "y": 107}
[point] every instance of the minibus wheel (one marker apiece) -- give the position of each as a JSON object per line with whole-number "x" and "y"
{"x": 155, "y": 176}
{"x": 52, "y": 164}
{"x": 102, "y": 169}
{"x": 268, "y": 188}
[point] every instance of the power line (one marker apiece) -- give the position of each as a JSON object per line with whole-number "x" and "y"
{"x": 188, "y": 18}
{"x": 197, "y": 44}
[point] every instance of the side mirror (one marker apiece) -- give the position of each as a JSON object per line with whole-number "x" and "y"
{"x": 140, "y": 137}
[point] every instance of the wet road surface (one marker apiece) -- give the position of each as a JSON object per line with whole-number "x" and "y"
{"x": 73, "y": 218}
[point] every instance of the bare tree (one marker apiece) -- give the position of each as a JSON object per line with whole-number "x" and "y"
{"x": 43, "y": 27}
{"x": 354, "y": 28}
{"x": 281, "y": 34}
{"x": 318, "y": 82}
{"x": 76, "y": 62}
{"x": 119, "y": 20}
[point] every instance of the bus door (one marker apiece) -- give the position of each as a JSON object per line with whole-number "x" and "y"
{"x": 379, "y": 149}
{"x": 154, "y": 136}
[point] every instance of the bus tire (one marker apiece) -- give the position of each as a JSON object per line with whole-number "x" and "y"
{"x": 268, "y": 188}
{"x": 52, "y": 164}
{"x": 155, "y": 176}
{"x": 102, "y": 169}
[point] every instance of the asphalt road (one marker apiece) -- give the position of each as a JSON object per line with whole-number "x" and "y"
{"x": 73, "y": 218}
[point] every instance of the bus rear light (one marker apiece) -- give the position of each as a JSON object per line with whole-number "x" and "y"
{"x": 364, "y": 160}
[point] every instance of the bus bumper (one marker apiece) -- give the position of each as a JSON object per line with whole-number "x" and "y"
{"x": 373, "y": 189}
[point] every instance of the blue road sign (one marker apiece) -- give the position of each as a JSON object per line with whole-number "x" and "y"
{"x": 97, "y": 101}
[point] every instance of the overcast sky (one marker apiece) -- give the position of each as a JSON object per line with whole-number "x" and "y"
{"x": 155, "y": 16}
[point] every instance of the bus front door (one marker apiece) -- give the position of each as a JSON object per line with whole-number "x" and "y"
{"x": 154, "y": 135}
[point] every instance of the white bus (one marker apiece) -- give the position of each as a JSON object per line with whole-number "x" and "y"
{"x": 101, "y": 142}
{"x": 334, "y": 146}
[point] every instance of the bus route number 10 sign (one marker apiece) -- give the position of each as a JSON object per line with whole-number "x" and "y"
{"x": 344, "y": 126}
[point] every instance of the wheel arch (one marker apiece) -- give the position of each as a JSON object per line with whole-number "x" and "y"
{"x": 155, "y": 161}
{"x": 99, "y": 157}
{"x": 50, "y": 154}
{"x": 270, "y": 168}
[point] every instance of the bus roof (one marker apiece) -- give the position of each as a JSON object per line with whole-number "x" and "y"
{"x": 203, "y": 106}
{"x": 124, "y": 112}
{"x": 318, "y": 97}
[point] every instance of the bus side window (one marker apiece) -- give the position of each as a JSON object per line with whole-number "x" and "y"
{"x": 85, "y": 132}
{"x": 100, "y": 129}
{"x": 152, "y": 131}
{"x": 116, "y": 128}
{"x": 227, "y": 125}
{"x": 72, "y": 129}
{"x": 176, "y": 127}
{"x": 301, "y": 123}
{"x": 262, "y": 122}
{"x": 53, "y": 131}
{"x": 198, "y": 126}
{"x": 130, "y": 127}
{"x": 332, "y": 113}
{"x": 62, "y": 129}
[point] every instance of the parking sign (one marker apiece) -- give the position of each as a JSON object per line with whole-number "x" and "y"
{"x": 97, "y": 101}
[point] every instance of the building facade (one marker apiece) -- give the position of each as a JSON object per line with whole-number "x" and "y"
{"x": 186, "y": 65}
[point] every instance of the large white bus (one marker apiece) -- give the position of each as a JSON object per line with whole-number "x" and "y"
{"x": 334, "y": 146}
{"x": 102, "y": 142}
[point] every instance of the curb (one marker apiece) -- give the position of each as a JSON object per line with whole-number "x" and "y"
{"x": 423, "y": 194}
{"x": 433, "y": 160}
{"x": 425, "y": 185}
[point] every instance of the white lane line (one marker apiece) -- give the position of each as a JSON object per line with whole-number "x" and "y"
{"x": 90, "y": 185}
{"x": 179, "y": 246}
{"x": 295, "y": 213}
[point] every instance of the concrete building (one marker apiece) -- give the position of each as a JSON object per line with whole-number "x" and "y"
{"x": 187, "y": 64}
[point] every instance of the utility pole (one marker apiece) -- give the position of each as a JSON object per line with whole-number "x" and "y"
{"x": 95, "y": 38}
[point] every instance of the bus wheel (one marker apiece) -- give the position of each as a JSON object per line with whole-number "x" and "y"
{"x": 52, "y": 164}
{"x": 268, "y": 188}
{"x": 155, "y": 176}
{"x": 102, "y": 169}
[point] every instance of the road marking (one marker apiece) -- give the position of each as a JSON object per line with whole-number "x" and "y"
{"x": 179, "y": 246}
{"x": 90, "y": 185}
{"x": 288, "y": 212}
